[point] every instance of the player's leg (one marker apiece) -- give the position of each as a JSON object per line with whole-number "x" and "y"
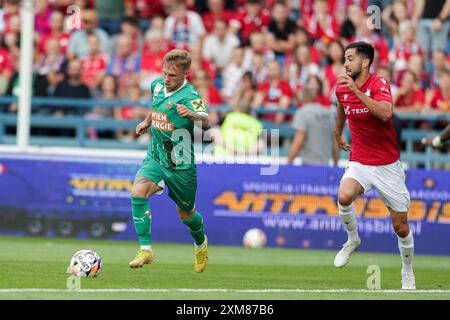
{"x": 390, "y": 184}
{"x": 355, "y": 181}
{"x": 405, "y": 246}
{"x": 194, "y": 221}
{"x": 143, "y": 187}
{"x": 349, "y": 189}
{"x": 182, "y": 189}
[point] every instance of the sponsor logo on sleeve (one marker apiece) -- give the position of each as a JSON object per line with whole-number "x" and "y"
{"x": 198, "y": 105}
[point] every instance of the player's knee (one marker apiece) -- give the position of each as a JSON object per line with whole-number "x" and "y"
{"x": 345, "y": 198}
{"x": 185, "y": 215}
{"x": 401, "y": 228}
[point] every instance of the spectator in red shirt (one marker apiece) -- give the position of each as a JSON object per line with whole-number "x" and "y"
{"x": 216, "y": 12}
{"x": 334, "y": 67}
{"x": 10, "y": 8}
{"x": 322, "y": 26}
{"x": 440, "y": 101}
{"x": 6, "y": 68}
{"x": 301, "y": 67}
{"x": 56, "y": 25}
{"x": 409, "y": 97}
{"x": 405, "y": 47}
{"x": 154, "y": 49}
{"x": 93, "y": 66}
{"x": 144, "y": 10}
{"x": 275, "y": 94}
{"x": 250, "y": 18}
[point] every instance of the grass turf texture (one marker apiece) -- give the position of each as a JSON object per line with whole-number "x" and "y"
{"x": 42, "y": 262}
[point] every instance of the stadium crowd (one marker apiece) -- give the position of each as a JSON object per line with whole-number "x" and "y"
{"x": 247, "y": 54}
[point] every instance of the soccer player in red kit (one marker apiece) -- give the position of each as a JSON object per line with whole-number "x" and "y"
{"x": 365, "y": 101}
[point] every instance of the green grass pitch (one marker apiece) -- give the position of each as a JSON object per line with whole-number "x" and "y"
{"x": 35, "y": 268}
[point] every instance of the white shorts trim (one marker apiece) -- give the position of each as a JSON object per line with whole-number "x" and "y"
{"x": 388, "y": 180}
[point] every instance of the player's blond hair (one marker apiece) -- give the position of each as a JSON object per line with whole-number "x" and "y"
{"x": 178, "y": 57}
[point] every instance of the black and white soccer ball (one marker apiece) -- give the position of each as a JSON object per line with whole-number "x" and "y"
{"x": 85, "y": 263}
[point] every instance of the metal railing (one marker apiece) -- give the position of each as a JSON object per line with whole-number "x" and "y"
{"x": 80, "y": 124}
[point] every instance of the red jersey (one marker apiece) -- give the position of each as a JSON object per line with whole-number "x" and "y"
{"x": 327, "y": 34}
{"x": 411, "y": 99}
{"x": 63, "y": 40}
{"x": 210, "y": 18}
{"x": 272, "y": 95}
{"x": 5, "y": 60}
{"x": 249, "y": 23}
{"x": 438, "y": 102}
{"x": 147, "y": 8}
{"x": 152, "y": 61}
{"x": 90, "y": 68}
{"x": 374, "y": 142}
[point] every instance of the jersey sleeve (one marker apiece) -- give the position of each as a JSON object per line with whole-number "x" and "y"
{"x": 195, "y": 103}
{"x": 382, "y": 90}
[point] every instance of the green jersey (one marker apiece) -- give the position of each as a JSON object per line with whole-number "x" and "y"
{"x": 172, "y": 142}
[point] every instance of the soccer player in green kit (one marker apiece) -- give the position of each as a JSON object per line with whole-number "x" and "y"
{"x": 170, "y": 160}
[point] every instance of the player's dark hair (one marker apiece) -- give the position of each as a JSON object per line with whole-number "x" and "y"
{"x": 363, "y": 49}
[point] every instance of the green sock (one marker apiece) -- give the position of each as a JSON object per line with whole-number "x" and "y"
{"x": 142, "y": 222}
{"x": 195, "y": 224}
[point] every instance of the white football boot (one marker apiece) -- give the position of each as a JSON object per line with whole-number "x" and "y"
{"x": 343, "y": 256}
{"x": 408, "y": 281}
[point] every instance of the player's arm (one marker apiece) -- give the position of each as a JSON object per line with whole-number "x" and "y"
{"x": 143, "y": 126}
{"x": 382, "y": 110}
{"x": 340, "y": 122}
{"x": 201, "y": 118}
{"x": 439, "y": 140}
{"x": 297, "y": 145}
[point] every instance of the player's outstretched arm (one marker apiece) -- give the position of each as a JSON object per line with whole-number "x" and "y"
{"x": 197, "y": 118}
{"x": 340, "y": 122}
{"x": 439, "y": 140}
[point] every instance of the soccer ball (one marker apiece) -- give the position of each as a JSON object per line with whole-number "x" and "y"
{"x": 85, "y": 263}
{"x": 254, "y": 238}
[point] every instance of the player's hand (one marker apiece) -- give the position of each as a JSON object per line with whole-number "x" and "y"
{"x": 184, "y": 111}
{"x": 342, "y": 143}
{"x": 429, "y": 142}
{"x": 142, "y": 128}
{"x": 344, "y": 80}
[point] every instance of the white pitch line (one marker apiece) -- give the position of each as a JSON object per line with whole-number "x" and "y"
{"x": 11, "y": 290}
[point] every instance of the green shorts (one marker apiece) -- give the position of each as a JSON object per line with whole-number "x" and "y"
{"x": 182, "y": 183}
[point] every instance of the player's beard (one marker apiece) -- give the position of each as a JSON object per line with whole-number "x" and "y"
{"x": 355, "y": 74}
